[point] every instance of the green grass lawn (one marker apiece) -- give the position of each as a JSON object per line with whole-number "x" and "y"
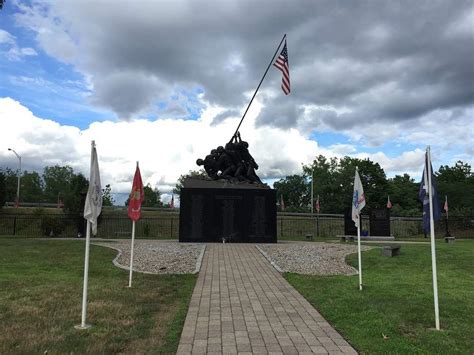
{"x": 397, "y": 301}
{"x": 41, "y": 295}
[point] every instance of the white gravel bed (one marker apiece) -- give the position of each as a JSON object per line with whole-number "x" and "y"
{"x": 158, "y": 257}
{"x": 311, "y": 259}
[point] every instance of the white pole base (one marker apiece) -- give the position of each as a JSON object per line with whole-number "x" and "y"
{"x": 82, "y": 327}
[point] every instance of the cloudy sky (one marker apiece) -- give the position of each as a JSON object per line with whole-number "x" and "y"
{"x": 164, "y": 82}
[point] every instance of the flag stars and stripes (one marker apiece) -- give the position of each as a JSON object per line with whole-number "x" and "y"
{"x": 282, "y": 64}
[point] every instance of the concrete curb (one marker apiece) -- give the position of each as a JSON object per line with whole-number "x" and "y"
{"x": 199, "y": 260}
{"x": 277, "y": 268}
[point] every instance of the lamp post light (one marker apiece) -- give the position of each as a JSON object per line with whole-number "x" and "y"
{"x": 19, "y": 175}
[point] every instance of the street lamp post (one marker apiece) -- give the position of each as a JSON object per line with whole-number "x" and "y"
{"x": 19, "y": 175}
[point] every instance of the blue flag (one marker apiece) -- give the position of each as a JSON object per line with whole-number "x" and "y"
{"x": 423, "y": 196}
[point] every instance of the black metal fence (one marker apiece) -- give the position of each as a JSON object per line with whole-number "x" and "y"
{"x": 166, "y": 226}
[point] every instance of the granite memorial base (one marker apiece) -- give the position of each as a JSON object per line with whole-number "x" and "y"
{"x": 224, "y": 212}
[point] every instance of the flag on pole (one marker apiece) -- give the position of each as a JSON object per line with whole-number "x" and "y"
{"x": 431, "y": 213}
{"x": 282, "y": 64}
{"x": 172, "y": 201}
{"x": 282, "y": 203}
{"x": 92, "y": 209}
{"x": 423, "y": 196}
{"x": 358, "y": 199}
{"x": 389, "y": 204}
{"x": 358, "y": 203}
{"x": 446, "y": 204}
{"x": 137, "y": 196}
{"x": 318, "y": 207}
{"x": 93, "y": 205}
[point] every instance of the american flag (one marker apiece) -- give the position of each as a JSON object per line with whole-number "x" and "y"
{"x": 389, "y": 204}
{"x": 282, "y": 64}
{"x": 318, "y": 207}
{"x": 172, "y": 201}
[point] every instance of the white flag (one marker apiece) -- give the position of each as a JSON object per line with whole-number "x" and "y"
{"x": 358, "y": 199}
{"x": 93, "y": 205}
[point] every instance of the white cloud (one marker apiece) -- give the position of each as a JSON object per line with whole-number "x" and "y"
{"x": 167, "y": 148}
{"x": 464, "y": 25}
{"x": 6, "y": 37}
{"x": 14, "y": 52}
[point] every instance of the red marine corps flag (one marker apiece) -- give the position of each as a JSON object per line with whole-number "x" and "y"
{"x": 136, "y": 197}
{"x": 134, "y": 211}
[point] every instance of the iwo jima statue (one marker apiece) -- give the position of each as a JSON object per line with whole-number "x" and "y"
{"x": 232, "y": 162}
{"x": 231, "y": 204}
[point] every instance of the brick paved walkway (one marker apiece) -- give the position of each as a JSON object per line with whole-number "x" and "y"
{"x": 241, "y": 304}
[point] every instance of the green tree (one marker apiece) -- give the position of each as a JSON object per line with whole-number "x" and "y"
{"x": 2, "y": 189}
{"x": 11, "y": 183}
{"x": 31, "y": 187}
{"x": 107, "y": 199}
{"x": 190, "y": 174}
{"x": 57, "y": 180}
{"x": 334, "y": 182}
{"x": 460, "y": 172}
{"x": 152, "y": 197}
{"x": 322, "y": 173}
{"x": 73, "y": 195}
{"x": 457, "y": 182}
{"x": 403, "y": 192}
{"x": 295, "y": 190}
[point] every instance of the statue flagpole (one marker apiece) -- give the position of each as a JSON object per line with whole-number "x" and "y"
{"x": 258, "y": 87}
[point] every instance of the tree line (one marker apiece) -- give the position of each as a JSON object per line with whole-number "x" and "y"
{"x": 333, "y": 182}
{"x": 59, "y": 185}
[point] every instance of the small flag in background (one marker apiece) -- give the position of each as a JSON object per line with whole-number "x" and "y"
{"x": 282, "y": 64}
{"x": 423, "y": 196}
{"x": 358, "y": 199}
{"x": 389, "y": 204}
{"x": 93, "y": 205}
{"x": 318, "y": 207}
{"x": 446, "y": 204}
{"x": 137, "y": 196}
{"x": 172, "y": 201}
{"x": 282, "y": 203}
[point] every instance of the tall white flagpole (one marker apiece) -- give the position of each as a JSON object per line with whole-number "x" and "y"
{"x": 432, "y": 233}
{"x": 86, "y": 266}
{"x": 359, "y": 255}
{"x": 358, "y": 202}
{"x": 312, "y": 190}
{"x": 131, "y": 255}
{"x": 86, "y": 279}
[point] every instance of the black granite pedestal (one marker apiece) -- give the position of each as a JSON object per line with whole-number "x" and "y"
{"x": 380, "y": 222}
{"x": 217, "y": 211}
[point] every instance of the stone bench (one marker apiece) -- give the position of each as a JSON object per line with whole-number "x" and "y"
{"x": 449, "y": 239}
{"x": 391, "y": 250}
